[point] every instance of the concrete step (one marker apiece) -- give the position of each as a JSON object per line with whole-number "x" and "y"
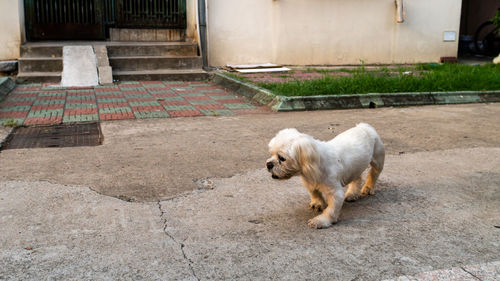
{"x": 38, "y": 77}
{"x": 137, "y": 63}
{"x": 40, "y": 64}
{"x": 162, "y": 75}
{"x": 148, "y": 49}
{"x": 41, "y": 51}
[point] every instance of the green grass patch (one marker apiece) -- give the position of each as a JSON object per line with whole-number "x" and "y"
{"x": 419, "y": 78}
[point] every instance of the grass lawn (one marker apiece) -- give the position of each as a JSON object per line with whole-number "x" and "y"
{"x": 419, "y": 78}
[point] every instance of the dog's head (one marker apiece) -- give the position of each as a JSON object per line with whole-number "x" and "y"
{"x": 293, "y": 153}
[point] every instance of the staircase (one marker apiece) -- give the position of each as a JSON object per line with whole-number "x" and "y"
{"x": 40, "y": 62}
{"x": 155, "y": 61}
{"x": 130, "y": 61}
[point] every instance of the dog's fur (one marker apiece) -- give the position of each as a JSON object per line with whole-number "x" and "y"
{"x": 326, "y": 167}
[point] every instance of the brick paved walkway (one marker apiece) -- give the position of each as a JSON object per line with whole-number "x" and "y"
{"x": 47, "y": 104}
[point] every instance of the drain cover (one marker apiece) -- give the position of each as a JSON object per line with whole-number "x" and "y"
{"x": 65, "y": 135}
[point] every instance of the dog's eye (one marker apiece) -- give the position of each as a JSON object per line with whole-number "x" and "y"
{"x": 281, "y": 158}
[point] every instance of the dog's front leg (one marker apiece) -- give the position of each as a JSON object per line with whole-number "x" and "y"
{"x": 335, "y": 198}
{"x": 317, "y": 202}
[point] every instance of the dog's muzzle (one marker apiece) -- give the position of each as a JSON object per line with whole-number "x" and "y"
{"x": 269, "y": 165}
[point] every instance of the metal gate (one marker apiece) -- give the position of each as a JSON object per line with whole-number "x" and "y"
{"x": 151, "y": 13}
{"x": 91, "y": 19}
{"x": 64, "y": 19}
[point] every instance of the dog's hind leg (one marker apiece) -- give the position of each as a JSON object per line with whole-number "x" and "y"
{"x": 353, "y": 191}
{"x": 376, "y": 166}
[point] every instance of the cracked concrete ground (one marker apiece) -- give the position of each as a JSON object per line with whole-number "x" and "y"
{"x": 435, "y": 208}
{"x": 157, "y": 159}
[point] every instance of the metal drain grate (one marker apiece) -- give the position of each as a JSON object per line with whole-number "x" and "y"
{"x": 65, "y": 135}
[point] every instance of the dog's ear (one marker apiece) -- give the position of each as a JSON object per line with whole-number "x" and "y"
{"x": 308, "y": 159}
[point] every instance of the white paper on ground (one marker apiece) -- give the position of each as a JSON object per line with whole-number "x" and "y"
{"x": 262, "y": 65}
{"x": 256, "y": 70}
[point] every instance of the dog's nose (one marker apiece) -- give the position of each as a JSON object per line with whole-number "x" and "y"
{"x": 269, "y": 165}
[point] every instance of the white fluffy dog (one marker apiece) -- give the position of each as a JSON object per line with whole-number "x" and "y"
{"x": 326, "y": 167}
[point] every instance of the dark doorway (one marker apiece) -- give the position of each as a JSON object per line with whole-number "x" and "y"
{"x": 478, "y": 36}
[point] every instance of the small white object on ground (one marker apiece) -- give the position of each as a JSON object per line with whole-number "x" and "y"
{"x": 496, "y": 60}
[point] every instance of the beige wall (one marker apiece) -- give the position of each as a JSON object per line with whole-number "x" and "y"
{"x": 329, "y": 32}
{"x": 192, "y": 24}
{"x": 10, "y": 28}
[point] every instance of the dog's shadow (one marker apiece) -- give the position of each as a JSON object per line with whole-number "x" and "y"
{"x": 385, "y": 203}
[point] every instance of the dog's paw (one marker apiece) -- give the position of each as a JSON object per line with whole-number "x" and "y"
{"x": 367, "y": 191}
{"x": 351, "y": 197}
{"x": 320, "y": 222}
{"x": 317, "y": 206}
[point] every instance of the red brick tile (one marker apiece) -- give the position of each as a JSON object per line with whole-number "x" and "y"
{"x": 16, "y": 103}
{"x": 148, "y": 108}
{"x": 129, "y": 85}
{"x": 53, "y": 92}
{"x": 197, "y": 98}
{"x": 174, "y": 102}
{"x": 43, "y": 120}
{"x": 21, "y": 88}
{"x": 252, "y": 111}
{"x": 164, "y": 95}
{"x": 173, "y": 85}
{"x": 81, "y": 101}
{"x": 143, "y": 92}
{"x": 159, "y": 89}
{"x": 207, "y": 88}
{"x": 51, "y": 98}
{"x": 187, "y": 91}
{"x": 81, "y": 94}
{"x": 185, "y": 113}
{"x": 236, "y": 100}
{"x": 113, "y": 96}
{"x": 113, "y": 104}
{"x": 14, "y": 114}
{"x": 221, "y": 93}
{"x": 47, "y": 106}
{"x": 107, "y": 89}
{"x": 140, "y": 99}
{"x": 209, "y": 106}
{"x": 79, "y": 111}
{"x": 24, "y": 95}
{"x": 116, "y": 116}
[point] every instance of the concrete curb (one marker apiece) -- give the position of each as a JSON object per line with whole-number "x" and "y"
{"x": 6, "y": 85}
{"x": 251, "y": 91}
{"x": 282, "y": 103}
{"x": 4, "y": 134}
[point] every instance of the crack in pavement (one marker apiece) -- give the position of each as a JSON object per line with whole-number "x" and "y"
{"x": 181, "y": 245}
{"x": 462, "y": 268}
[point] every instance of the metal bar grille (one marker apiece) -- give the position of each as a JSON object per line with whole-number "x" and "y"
{"x": 151, "y": 13}
{"x": 65, "y": 11}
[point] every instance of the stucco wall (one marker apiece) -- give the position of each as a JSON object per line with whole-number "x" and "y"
{"x": 191, "y": 20}
{"x": 10, "y": 28}
{"x": 329, "y": 32}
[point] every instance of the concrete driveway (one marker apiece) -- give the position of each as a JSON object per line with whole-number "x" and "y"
{"x": 197, "y": 203}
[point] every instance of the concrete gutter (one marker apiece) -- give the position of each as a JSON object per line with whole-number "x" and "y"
{"x": 372, "y": 100}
